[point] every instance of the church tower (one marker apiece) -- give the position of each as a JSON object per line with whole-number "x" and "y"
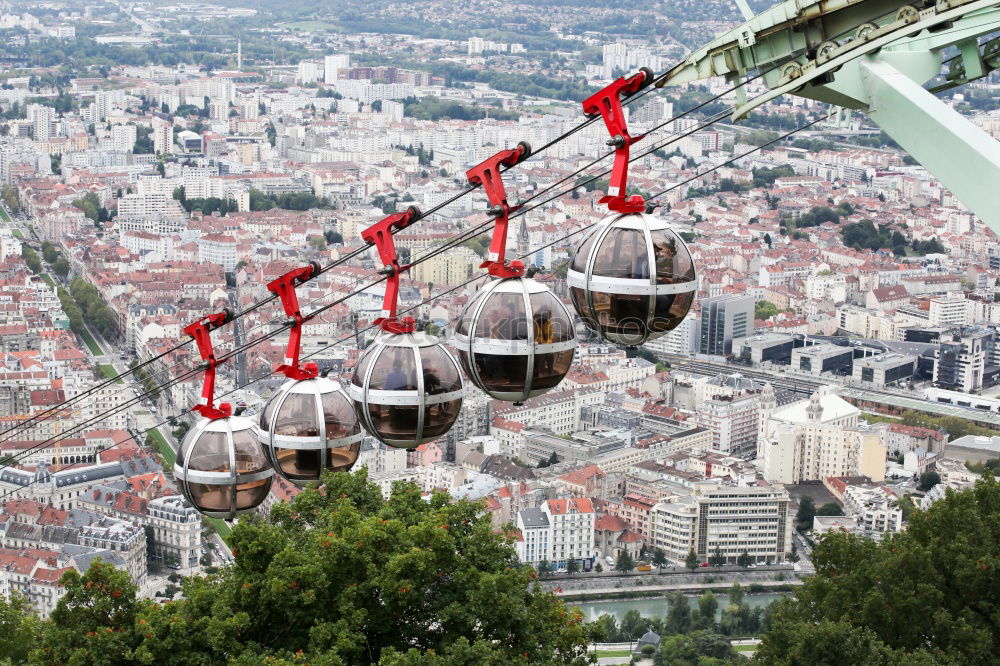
{"x": 523, "y": 243}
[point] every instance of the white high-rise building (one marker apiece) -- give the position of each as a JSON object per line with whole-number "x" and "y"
{"x": 332, "y": 64}
{"x": 42, "y": 118}
{"x": 104, "y": 102}
{"x": 727, "y": 519}
{"x": 122, "y": 138}
{"x": 309, "y": 72}
{"x": 682, "y": 341}
{"x": 813, "y": 439}
{"x": 163, "y": 137}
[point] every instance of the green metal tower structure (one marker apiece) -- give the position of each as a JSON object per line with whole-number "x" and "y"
{"x": 876, "y": 56}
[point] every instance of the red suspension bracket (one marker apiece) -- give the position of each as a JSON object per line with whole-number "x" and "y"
{"x": 488, "y": 174}
{"x": 380, "y": 235}
{"x": 201, "y": 332}
{"x": 284, "y": 287}
{"x": 608, "y": 104}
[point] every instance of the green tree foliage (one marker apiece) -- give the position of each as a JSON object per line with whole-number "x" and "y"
{"x": 928, "y": 595}
{"x": 624, "y": 563}
{"x": 830, "y": 509}
{"x": 932, "y": 246}
{"x": 633, "y": 626}
{"x": 865, "y": 235}
{"x": 93, "y": 621}
{"x": 333, "y": 238}
{"x": 928, "y": 480}
{"x": 335, "y": 578}
{"x": 31, "y": 259}
{"x": 93, "y": 307}
{"x": 691, "y": 561}
{"x": 605, "y": 628}
{"x": 72, "y": 310}
{"x": 19, "y": 629}
{"x": 806, "y": 512}
{"x": 10, "y": 201}
{"x": 744, "y": 560}
{"x": 288, "y": 201}
{"x": 434, "y": 108}
{"x": 764, "y": 310}
{"x": 708, "y": 606}
{"x": 61, "y": 267}
{"x": 678, "y": 620}
{"x": 90, "y": 205}
{"x": 209, "y": 205}
{"x": 955, "y": 425}
{"x": 572, "y": 566}
{"x": 717, "y": 559}
{"x": 764, "y": 176}
{"x": 659, "y": 559}
{"x": 698, "y": 648}
{"x": 49, "y": 251}
{"x": 993, "y": 464}
{"x": 143, "y": 140}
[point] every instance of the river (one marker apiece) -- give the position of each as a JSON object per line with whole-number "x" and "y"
{"x": 650, "y": 607}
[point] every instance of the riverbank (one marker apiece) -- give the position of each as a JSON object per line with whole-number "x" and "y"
{"x": 660, "y": 591}
{"x": 648, "y": 608}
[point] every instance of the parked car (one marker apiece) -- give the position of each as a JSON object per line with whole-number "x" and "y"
{"x": 703, "y": 564}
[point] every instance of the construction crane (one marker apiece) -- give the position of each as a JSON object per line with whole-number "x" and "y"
{"x": 878, "y": 57}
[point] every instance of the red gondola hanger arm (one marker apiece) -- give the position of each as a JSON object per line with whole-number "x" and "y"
{"x": 488, "y": 174}
{"x": 608, "y": 104}
{"x": 380, "y": 235}
{"x": 201, "y": 331}
{"x": 284, "y": 288}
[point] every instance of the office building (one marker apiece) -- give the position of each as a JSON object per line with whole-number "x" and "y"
{"x": 885, "y": 369}
{"x": 723, "y": 320}
{"x": 823, "y": 358}
{"x": 967, "y": 360}
{"x": 731, "y": 520}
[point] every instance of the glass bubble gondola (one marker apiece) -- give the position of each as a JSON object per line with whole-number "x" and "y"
{"x": 407, "y": 389}
{"x": 309, "y": 425}
{"x": 221, "y": 468}
{"x": 632, "y": 279}
{"x": 515, "y": 339}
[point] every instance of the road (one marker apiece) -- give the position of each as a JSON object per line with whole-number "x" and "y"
{"x": 679, "y": 578}
{"x": 241, "y": 358}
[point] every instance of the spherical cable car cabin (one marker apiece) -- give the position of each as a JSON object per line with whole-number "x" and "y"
{"x": 632, "y": 279}
{"x": 309, "y": 425}
{"x": 515, "y": 339}
{"x": 221, "y": 468}
{"x": 407, "y": 388}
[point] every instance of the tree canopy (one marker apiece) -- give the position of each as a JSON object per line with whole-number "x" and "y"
{"x": 929, "y": 595}
{"x": 337, "y": 576}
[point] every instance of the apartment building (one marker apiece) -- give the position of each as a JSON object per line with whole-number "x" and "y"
{"x": 814, "y": 439}
{"x": 733, "y": 420}
{"x": 727, "y": 519}
{"x": 875, "y": 509}
{"x": 557, "y": 531}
